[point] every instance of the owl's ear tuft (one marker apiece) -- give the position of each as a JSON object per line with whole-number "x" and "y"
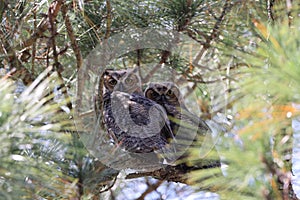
{"x": 107, "y": 71}
{"x": 135, "y": 69}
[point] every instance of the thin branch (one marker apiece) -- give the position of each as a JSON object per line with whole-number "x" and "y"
{"x": 57, "y": 65}
{"x": 72, "y": 37}
{"x": 138, "y": 59}
{"x": 270, "y": 4}
{"x": 53, "y": 31}
{"x": 164, "y": 56}
{"x": 80, "y": 74}
{"x": 215, "y": 31}
{"x": 151, "y": 188}
{"x": 289, "y": 6}
{"x": 42, "y": 27}
{"x": 166, "y": 53}
{"x": 33, "y": 51}
{"x": 113, "y": 183}
{"x": 194, "y": 33}
{"x": 176, "y": 173}
{"x": 22, "y": 72}
{"x": 108, "y": 20}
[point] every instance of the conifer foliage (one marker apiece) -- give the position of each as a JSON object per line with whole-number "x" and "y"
{"x": 251, "y": 46}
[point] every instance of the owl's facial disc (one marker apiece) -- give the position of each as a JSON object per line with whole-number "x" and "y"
{"x": 112, "y": 77}
{"x": 122, "y": 80}
{"x": 130, "y": 83}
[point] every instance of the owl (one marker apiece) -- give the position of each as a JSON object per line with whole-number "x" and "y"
{"x": 183, "y": 123}
{"x": 167, "y": 94}
{"x": 134, "y": 122}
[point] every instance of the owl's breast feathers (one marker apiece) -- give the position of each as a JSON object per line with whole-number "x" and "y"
{"x": 140, "y": 124}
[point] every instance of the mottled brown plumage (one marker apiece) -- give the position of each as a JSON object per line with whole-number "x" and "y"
{"x": 187, "y": 127}
{"x": 136, "y": 123}
{"x": 168, "y": 95}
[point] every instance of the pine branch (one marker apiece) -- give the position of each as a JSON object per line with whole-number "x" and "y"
{"x": 43, "y": 25}
{"x": 215, "y": 31}
{"x": 22, "y": 72}
{"x": 178, "y": 173}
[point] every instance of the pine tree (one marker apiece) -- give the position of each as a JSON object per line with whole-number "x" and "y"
{"x": 247, "y": 51}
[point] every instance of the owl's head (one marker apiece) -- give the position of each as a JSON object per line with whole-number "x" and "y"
{"x": 164, "y": 93}
{"x": 122, "y": 80}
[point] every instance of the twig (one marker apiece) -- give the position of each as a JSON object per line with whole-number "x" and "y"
{"x": 151, "y": 188}
{"x": 176, "y": 173}
{"x": 164, "y": 56}
{"x": 113, "y": 183}
{"x": 57, "y": 65}
{"x": 289, "y": 11}
{"x": 80, "y": 74}
{"x": 72, "y": 37}
{"x": 192, "y": 34}
{"x": 166, "y": 53}
{"x": 270, "y": 4}
{"x": 42, "y": 27}
{"x": 138, "y": 59}
{"x": 53, "y": 35}
{"x": 22, "y": 72}
{"x": 215, "y": 31}
{"x": 33, "y": 52}
{"x": 3, "y": 6}
{"x": 108, "y": 20}
{"x": 138, "y": 175}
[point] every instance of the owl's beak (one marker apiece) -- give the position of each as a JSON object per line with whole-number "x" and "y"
{"x": 121, "y": 87}
{"x": 163, "y": 98}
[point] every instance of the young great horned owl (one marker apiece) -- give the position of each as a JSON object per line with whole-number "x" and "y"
{"x": 134, "y": 122}
{"x": 167, "y": 94}
{"x": 184, "y": 124}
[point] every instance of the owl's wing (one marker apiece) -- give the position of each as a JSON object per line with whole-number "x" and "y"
{"x": 206, "y": 143}
{"x": 194, "y": 121}
{"x": 155, "y": 115}
{"x": 140, "y": 116}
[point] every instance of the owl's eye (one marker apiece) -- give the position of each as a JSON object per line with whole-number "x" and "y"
{"x": 170, "y": 93}
{"x": 151, "y": 94}
{"x": 130, "y": 80}
{"x": 112, "y": 82}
